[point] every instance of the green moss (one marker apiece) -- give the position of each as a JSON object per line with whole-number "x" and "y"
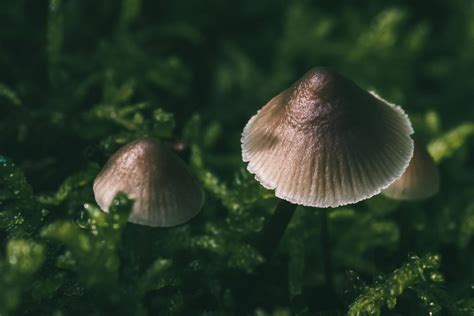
{"x": 22, "y": 260}
{"x": 417, "y": 271}
{"x": 81, "y": 78}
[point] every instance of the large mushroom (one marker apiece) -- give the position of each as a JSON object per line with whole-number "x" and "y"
{"x": 324, "y": 142}
{"x": 165, "y": 192}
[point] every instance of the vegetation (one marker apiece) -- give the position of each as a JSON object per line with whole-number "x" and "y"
{"x": 81, "y": 78}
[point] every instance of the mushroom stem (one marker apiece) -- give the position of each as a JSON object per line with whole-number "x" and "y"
{"x": 275, "y": 228}
{"x": 138, "y": 243}
{"x": 326, "y": 247}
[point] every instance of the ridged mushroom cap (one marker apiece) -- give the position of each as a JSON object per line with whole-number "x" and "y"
{"x": 165, "y": 192}
{"x": 419, "y": 181}
{"x": 325, "y": 142}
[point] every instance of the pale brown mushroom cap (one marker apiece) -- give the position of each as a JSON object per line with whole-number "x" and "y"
{"x": 419, "y": 181}
{"x": 165, "y": 192}
{"x": 325, "y": 142}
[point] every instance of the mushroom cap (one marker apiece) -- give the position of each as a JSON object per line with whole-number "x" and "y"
{"x": 165, "y": 192}
{"x": 419, "y": 181}
{"x": 325, "y": 142}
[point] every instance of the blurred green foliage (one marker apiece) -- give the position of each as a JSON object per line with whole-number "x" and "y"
{"x": 81, "y": 78}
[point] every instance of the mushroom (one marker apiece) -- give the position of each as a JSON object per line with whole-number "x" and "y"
{"x": 165, "y": 192}
{"x": 419, "y": 181}
{"x": 324, "y": 142}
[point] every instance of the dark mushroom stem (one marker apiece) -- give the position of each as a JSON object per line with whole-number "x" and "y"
{"x": 275, "y": 228}
{"x": 326, "y": 247}
{"x": 133, "y": 235}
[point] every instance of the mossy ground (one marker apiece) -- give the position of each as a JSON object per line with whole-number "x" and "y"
{"x": 81, "y": 78}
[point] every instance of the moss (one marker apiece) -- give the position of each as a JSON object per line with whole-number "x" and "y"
{"x": 82, "y": 78}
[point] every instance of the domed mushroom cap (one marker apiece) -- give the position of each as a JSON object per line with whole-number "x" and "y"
{"x": 326, "y": 142}
{"x": 165, "y": 192}
{"x": 419, "y": 181}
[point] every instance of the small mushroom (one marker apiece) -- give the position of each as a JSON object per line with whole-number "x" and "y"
{"x": 165, "y": 192}
{"x": 325, "y": 142}
{"x": 419, "y": 181}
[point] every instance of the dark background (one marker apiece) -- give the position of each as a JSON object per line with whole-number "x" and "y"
{"x": 78, "y": 79}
